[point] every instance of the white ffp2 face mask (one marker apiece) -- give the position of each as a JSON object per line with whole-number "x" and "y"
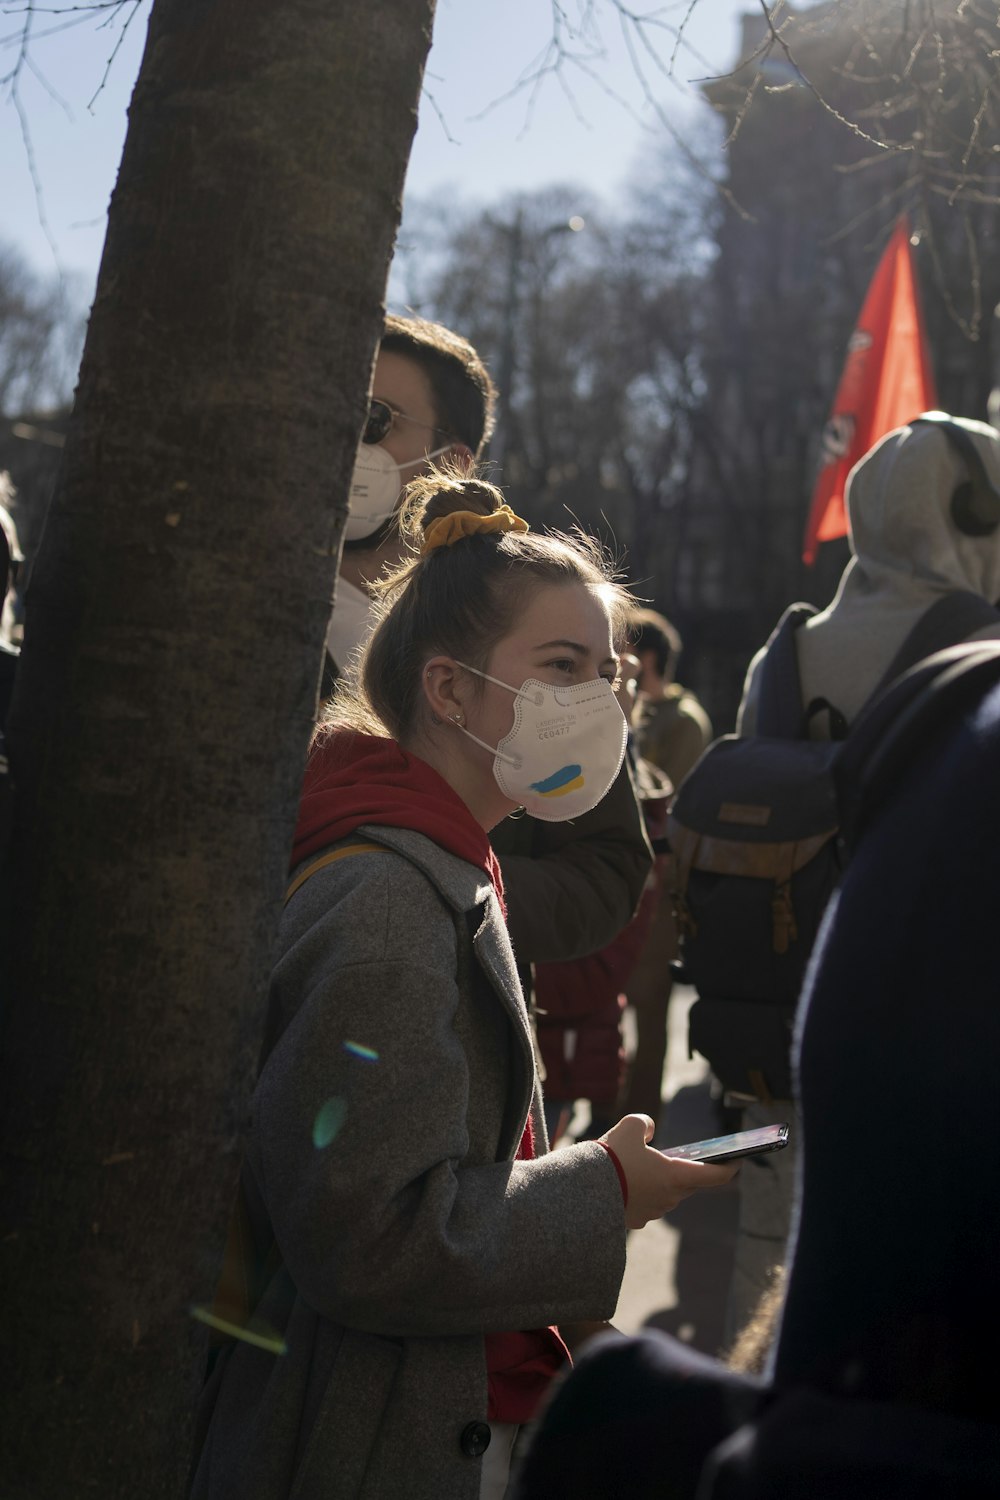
{"x": 375, "y": 489}
{"x": 564, "y": 750}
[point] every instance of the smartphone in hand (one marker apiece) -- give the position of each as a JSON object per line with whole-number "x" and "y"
{"x": 730, "y": 1147}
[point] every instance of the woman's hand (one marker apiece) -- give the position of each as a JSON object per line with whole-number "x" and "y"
{"x": 657, "y": 1183}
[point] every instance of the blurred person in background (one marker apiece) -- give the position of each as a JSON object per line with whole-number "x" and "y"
{"x": 671, "y": 731}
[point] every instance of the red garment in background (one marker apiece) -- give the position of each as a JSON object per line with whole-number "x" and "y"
{"x": 579, "y": 1007}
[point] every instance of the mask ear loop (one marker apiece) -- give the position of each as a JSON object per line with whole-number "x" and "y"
{"x": 434, "y": 453}
{"x": 512, "y": 760}
{"x": 537, "y": 698}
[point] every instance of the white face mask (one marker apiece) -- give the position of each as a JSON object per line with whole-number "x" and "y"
{"x": 375, "y": 489}
{"x": 564, "y": 750}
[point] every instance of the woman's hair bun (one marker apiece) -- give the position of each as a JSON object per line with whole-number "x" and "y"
{"x": 441, "y": 491}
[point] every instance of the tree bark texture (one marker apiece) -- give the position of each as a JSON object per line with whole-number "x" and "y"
{"x": 167, "y": 691}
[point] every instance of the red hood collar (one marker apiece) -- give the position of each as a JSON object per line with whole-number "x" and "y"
{"x": 354, "y": 779}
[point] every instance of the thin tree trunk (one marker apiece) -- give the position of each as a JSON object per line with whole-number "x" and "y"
{"x": 166, "y": 695}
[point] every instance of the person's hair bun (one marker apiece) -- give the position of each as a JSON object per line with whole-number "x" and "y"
{"x": 440, "y": 492}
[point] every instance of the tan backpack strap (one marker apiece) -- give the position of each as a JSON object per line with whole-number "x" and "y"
{"x": 330, "y": 858}
{"x": 684, "y": 844}
{"x": 242, "y": 1281}
{"x": 247, "y": 1268}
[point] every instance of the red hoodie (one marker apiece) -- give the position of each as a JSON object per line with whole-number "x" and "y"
{"x": 352, "y": 779}
{"x": 355, "y": 779}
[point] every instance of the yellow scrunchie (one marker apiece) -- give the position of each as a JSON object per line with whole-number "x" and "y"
{"x": 444, "y": 531}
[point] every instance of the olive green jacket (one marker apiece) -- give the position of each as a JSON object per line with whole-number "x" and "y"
{"x": 571, "y": 887}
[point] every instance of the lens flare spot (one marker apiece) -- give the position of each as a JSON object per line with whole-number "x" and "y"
{"x": 328, "y": 1122}
{"x": 260, "y": 1336}
{"x": 367, "y": 1054}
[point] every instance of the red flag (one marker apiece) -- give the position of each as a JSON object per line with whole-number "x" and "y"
{"x": 887, "y": 381}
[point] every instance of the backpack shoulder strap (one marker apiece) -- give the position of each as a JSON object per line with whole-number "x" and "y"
{"x": 954, "y": 617}
{"x": 892, "y": 731}
{"x": 273, "y": 1023}
{"x": 330, "y": 857}
{"x": 779, "y": 711}
{"x": 252, "y": 1256}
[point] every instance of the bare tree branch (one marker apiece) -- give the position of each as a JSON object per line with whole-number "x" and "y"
{"x": 23, "y": 39}
{"x": 12, "y": 81}
{"x": 136, "y": 5}
{"x": 823, "y": 102}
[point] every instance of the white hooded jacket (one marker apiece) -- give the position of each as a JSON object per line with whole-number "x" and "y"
{"x": 908, "y": 554}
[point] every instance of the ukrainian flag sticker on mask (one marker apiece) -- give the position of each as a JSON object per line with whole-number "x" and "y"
{"x": 568, "y": 779}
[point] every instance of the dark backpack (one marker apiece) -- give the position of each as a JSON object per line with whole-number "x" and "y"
{"x": 903, "y": 724}
{"x": 756, "y": 833}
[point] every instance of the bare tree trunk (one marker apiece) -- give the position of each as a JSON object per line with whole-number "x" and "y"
{"x": 167, "y": 691}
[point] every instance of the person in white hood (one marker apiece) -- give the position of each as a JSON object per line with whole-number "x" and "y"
{"x": 908, "y": 553}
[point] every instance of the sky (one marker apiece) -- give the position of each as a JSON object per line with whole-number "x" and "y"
{"x": 483, "y": 132}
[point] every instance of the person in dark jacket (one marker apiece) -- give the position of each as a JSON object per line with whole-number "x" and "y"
{"x": 881, "y": 1384}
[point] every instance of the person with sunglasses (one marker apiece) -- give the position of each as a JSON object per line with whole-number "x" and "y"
{"x": 432, "y": 399}
{"x": 571, "y": 887}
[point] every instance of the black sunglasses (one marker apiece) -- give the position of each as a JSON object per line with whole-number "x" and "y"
{"x": 381, "y": 417}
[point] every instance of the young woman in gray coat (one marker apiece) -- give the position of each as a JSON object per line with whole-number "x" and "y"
{"x": 414, "y": 1260}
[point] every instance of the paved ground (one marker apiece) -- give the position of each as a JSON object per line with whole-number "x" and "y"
{"x": 678, "y": 1268}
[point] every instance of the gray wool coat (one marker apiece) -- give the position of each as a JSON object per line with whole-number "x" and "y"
{"x": 381, "y": 1150}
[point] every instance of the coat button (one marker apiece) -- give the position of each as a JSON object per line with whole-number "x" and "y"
{"x": 475, "y": 1439}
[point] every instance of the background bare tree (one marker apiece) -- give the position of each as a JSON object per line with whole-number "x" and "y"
{"x": 916, "y": 84}
{"x": 595, "y": 338}
{"x": 842, "y": 117}
{"x": 667, "y": 372}
{"x": 41, "y": 334}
